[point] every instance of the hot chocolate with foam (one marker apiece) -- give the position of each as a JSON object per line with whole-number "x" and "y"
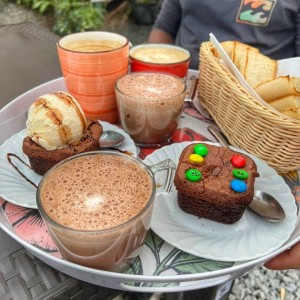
{"x": 99, "y": 196}
{"x": 97, "y": 207}
{"x": 149, "y": 106}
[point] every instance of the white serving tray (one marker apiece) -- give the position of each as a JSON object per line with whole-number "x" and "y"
{"x": 171, "y": 271}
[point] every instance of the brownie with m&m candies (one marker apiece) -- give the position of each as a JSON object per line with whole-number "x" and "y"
{"x": 214, "y": 182}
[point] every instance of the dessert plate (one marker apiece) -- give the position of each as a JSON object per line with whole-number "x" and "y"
{"x": 18, "y": 182}
{"x": 251, "y": 237}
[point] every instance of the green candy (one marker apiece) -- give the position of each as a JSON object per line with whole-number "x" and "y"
{"x": 193, "y": 175}
{"x": 240, "y": 174}
{"x": 200, "y": 149}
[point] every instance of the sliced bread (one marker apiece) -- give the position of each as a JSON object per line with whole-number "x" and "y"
{"x": 259, "y": 68}
{"x": 276, "y": 88}
{"x": 285, "y": 103}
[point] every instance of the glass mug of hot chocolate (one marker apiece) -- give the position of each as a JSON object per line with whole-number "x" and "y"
{"x": 150, "y": 106}
{"x": 98, "y": 205}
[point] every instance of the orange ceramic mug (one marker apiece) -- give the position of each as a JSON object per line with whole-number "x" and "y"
{"x": 91, "y": 62}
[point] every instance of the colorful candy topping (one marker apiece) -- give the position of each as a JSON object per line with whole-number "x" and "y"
{"x": 196, "y": 159}
{"x": 193, "y": 175}
{"x": 238, "y": 161}
{"x": 238, "y": 186}
{"x": 201, "y": 149}
{"x": 240, "y": 174}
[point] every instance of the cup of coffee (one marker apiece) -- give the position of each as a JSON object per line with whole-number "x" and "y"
{"x": 91, "y": 62}
{"x": 98, "y": 205}
{"x": 163, "y": 58}
{"x": 149, "y": 106}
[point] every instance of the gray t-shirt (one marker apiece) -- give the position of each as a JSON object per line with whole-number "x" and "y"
{"x": 273, "y": 26}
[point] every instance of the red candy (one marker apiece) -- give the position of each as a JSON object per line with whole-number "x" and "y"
{"x": 238, "y": 161}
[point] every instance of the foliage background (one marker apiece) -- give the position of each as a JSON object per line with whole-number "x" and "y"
{"x": 69, "y": 15}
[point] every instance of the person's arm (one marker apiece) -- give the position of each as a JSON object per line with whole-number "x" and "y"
{"x": 167, "y": 23}
{"x": 290, "y": 259}
{"x": 160, "y": 36}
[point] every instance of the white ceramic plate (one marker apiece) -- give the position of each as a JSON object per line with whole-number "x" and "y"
{"x": 251, "y": 237}
{"x": 21, "y": 190}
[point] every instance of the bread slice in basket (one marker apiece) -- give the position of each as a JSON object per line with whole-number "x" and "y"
{"x": 283, "y": 94}
{"x": 240, "y": 55}
{"x": 253, "y": 65}
{"x": 296, "y": 83}
{"x": 283, "y": 104}
{"x": 279, "y": 87}
{"x": 259, "y": 68}
{"x": 260, "y": 71}
{"x": 228, "y": 47}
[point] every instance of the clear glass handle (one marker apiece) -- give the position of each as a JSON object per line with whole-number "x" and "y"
{"x": 191, "y": 87}
{"x": 165, "y": 165}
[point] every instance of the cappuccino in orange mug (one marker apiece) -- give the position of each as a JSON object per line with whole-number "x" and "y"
{"x": 91, "y": 62}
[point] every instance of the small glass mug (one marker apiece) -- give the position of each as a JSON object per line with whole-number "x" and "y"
{"x": 149, "y": 106}
{"x": 85, "y": 203}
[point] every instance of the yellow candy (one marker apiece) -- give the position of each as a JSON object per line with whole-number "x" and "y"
{"x": 196, "y": 159}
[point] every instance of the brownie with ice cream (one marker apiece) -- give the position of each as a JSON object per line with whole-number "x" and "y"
{"x": 214, "y": 182}
{"x": 57, "y": 129}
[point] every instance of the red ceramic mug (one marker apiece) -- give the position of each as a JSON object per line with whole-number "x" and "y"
{"x": 164, "y": 58}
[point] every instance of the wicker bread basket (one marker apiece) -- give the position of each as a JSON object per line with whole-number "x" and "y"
{"x": 246, "y": 122}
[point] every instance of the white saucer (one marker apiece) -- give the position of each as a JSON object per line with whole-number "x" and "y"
{"x": 21, "y": 190}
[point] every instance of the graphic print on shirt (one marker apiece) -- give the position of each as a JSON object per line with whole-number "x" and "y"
{"x": 256, "y": 12}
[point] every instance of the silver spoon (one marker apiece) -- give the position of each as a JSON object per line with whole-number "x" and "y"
{"x": 263, "y": 204}
{"x": 110, "y": 138}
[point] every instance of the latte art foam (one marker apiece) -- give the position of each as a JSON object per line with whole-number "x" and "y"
{"x": 96, "y": 192}
{"x": 160, "y": 54}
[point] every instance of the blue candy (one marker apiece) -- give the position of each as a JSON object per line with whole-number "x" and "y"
{"x": 238, "y": 186}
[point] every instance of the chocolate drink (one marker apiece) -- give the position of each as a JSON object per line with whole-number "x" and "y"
{"x": 100, "y": 208}
{"x": 149, "y": 106}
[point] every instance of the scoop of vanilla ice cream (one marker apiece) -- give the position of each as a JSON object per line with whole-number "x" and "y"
{"x": 55, "y": 120}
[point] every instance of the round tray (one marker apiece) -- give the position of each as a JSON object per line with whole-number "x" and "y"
{"x": 160, "y": 266}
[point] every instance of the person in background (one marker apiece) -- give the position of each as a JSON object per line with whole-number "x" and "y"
{"x": 273, "y": 26}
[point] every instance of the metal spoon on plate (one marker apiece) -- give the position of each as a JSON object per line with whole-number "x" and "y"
{"x": 263, "y": 204}
{"x": 110, "y": 138}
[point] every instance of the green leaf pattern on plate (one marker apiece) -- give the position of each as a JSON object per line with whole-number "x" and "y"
{"x": 168, "y": 260}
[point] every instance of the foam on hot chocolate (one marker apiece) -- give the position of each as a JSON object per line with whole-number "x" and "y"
{"x": 152, "y": 86}
{"x": 96, "y": 192}
{"x": 150, "y": 105}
